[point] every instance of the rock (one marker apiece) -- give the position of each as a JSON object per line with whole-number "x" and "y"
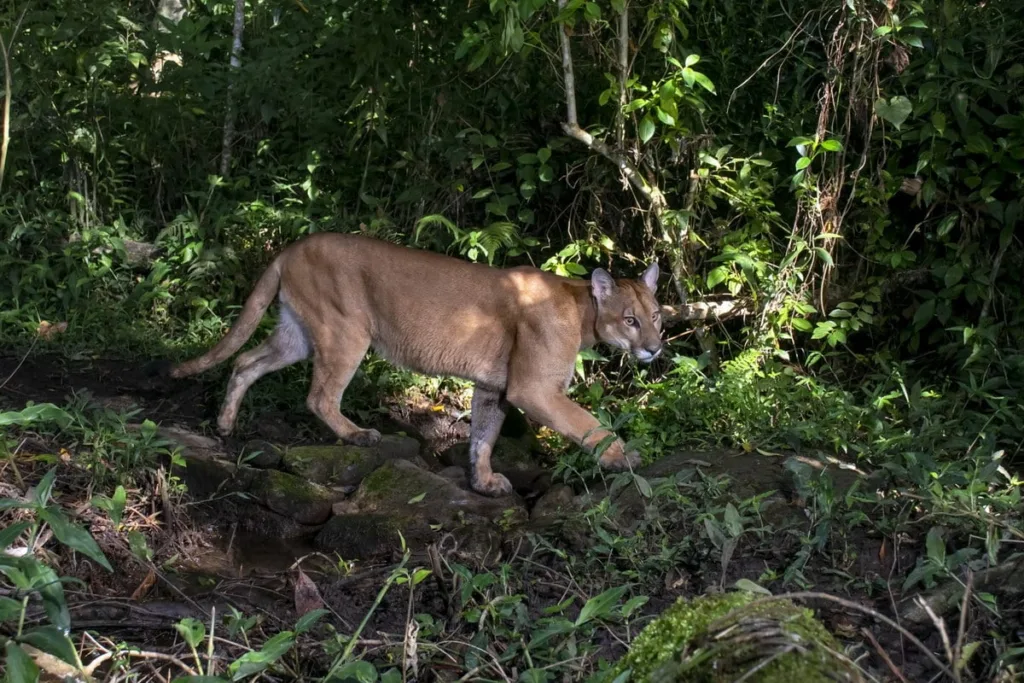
{"x": 347, "y": 465}
{"x": 188, "y": 439}
{"x": 552, "y": 505}
{"x": 293, "y": 497}
{"x": 359, "y": 535}
{"x": 457, "y": 475}
{"x": 401, "y": 497}
{"x": 261, "y": 454}
{"x": 723, "y": 637}
{"x": 511, "y": 458}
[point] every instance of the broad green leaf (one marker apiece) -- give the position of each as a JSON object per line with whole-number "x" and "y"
{"x": 73, "y": 536}
{"x": 53, "y": 642}
{"x": 751, "y": 587}
{"x": 896, "y": 111}
{"x": 254, "y": 662}
{"x": 360, "y": 671}
{"x": 692, "y": 59}
{"x": 832, "y": 145}
{"x": 704, "y": 81}
{"x": 10, "y": 610}
{"x": 953, "y": 275}
{"x": 732, "y": 520}
{"x": 802, "y": 163}
{"x": 643, "y": 485}
{"x": 939, "y": 122}
{"x": 36, "y": 412}
{"x": 20, "y": 667}
{"x": 936, "y": 546}
{"x": 42, "y": 491}
{"x": 10, "y": 534}
{"x": 600, "y": 606}
{"x": 717, "y": 276}
{"x": 51, "y": 590}
{"x": 192, "y": 630}
{"x": 543, "y": 154}
{"x": 646, "y": 128}
{"x": 824, "y": 256}
{"x": 925, "y": 312}
{"x": 947, "y": 224}
{"x": 307, "y": 620}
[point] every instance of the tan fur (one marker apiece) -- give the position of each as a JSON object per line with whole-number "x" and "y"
{"x": 513, "y": 332}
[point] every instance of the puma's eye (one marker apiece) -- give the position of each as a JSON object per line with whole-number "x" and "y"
{"x": 631, "y": 321}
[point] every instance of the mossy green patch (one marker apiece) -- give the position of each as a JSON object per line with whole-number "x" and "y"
{"x": 346, "y": 465}
{"x": 294, "y": 497}
{"x": 719, "y": 638}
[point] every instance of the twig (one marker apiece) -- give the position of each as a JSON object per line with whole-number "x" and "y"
{"x": 34, "y": 339}
{"x": 849, "y": 604}
{"x": 961, "y": 631}
{"x": 883, "y": 654}
{"x": 160, "y": 656}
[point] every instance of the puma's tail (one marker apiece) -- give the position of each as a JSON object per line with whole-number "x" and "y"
{"x": 252, "y": 313}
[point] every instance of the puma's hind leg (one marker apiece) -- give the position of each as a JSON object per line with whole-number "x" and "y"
{"x": 286, "y": 346}
{"x": 336, "y": 357}
{"x": 488, "y": 411}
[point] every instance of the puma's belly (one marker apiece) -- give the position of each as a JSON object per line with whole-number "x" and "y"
{"x": 478, "y": 352}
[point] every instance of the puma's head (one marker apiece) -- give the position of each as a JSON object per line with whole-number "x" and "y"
{"x": 628, "y": 316}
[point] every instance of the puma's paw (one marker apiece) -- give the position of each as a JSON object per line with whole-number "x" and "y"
{"x": 365, "y": 437}
{"x": 495, "y": 486}
{"x": 616, "y": 460}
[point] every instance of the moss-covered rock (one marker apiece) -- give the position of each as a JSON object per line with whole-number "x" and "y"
{"x": 399, "y": 496}
{"x": 291, "y": 496}
{"x": 261, "y": 454}
{"x": 347, "y": 465}
{"x": 721, "y": 638}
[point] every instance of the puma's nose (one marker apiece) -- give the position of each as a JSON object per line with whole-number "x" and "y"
{"x": 649, "y": 353}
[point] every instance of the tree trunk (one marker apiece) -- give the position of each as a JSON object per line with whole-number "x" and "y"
{"x": 236, "y": 62}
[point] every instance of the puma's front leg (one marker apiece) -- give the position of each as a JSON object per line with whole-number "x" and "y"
{"x": 488, "y": 413}
{"x": 560, "y": 413}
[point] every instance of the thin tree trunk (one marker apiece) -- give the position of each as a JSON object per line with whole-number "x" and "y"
{"x": 236, "y": 63}
{"x": 5, "y": 48}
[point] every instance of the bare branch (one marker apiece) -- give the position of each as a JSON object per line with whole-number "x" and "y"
{"x": 620, "y": 117}
{"x": 567, "y": 75}
{"x": 708, "y": 310}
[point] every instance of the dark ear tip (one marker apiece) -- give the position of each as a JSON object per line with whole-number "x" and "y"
{"x": 158, "y": 368}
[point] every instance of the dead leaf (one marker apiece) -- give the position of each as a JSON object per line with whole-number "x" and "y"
{"x": 144, "y": 587}
{"x": 48, "y": 330}
{"x": 307, "y": 595}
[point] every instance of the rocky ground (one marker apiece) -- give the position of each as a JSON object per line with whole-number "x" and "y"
{"x": 265, "y": 513}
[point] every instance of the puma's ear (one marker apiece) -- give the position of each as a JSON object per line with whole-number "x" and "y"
{"x": 601, "y": 284}
{"x": 650, "y": 277}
